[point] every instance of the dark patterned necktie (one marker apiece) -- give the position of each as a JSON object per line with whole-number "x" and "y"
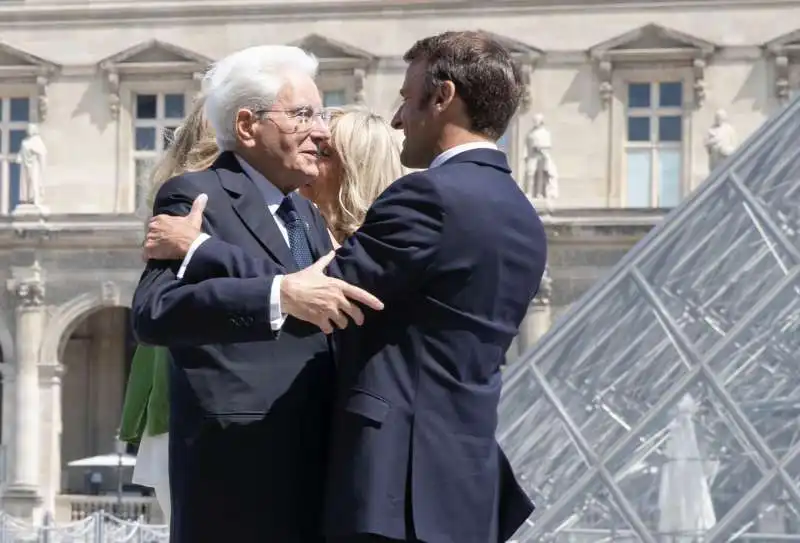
{"x": 296, "y": 229}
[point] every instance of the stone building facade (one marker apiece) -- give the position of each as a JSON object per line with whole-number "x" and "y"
{"x": 628, "y": 92}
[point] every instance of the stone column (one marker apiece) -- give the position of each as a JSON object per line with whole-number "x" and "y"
{"x": 22, "y": 498}
{"x": 538, "y": 320}
{"x": 50, "y": 462}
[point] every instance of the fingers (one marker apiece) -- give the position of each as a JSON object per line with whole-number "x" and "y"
{"x": 359, "y": 295}
{"x": 320, "y": 264}
{"x": 195, "y": 215}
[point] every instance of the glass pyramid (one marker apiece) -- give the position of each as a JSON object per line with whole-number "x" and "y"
{"x": 664, "y": 406}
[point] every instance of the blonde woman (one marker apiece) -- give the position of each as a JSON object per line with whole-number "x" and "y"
{"x": 145, "y": 411}
{"x": 360, "y": 161}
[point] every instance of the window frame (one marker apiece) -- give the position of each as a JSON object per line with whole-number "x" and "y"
{"x": 8, "y": 91}
{"x": 619, "y": 123}
{"x": 126, "y": 199}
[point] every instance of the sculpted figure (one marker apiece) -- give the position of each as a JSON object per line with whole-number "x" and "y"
{"x": 32, "y": 156}
{"x": 721, "y": 140}
{"x": 541, "y": 176}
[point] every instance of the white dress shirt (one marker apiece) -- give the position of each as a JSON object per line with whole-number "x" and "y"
{"x": 463, "y": 148}
{"x": 273, "y": 198}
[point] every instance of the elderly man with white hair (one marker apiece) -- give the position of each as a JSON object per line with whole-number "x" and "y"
{"x": 250, "y": 390}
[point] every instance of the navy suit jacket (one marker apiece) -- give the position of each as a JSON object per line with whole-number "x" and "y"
{"x": 456, "y": 253}
{"x": 242, "y": 397}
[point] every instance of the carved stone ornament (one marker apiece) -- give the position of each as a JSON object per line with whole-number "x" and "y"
{"x": 604, "y": 69}
{"x": 360, "y": 78}
{"x": 527, "y": 78}
{"x": 197, "y": 79}
{"x": 782, "y": 90}
{"x": 112, "y": 80}
{"x": 30, "y": 291}
{"x": 109, "y": 293}
{"x": 41, "y": 97}
{"x": 699, "y": 69}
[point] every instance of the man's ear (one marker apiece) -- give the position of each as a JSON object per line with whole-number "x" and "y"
{"x": 444, "y": 95}
{"x": 245, "y": 126}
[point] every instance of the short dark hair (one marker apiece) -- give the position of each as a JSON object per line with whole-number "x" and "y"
{"x": 485, "y": 76}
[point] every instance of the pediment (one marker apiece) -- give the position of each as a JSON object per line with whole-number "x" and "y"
{"x": 327, "y": 49}
{"x": 155, "y": 53}
{"x": 651, "y": 38}
{"x": 516, "y": 47}
{"x": 17, "y": 60}
{"x": 785, "y": 43}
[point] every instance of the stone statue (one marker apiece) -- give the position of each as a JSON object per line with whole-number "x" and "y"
{"x": 720, "y": 141}
{"x": 541, "y": 176}
{"x": 32, "y": 156}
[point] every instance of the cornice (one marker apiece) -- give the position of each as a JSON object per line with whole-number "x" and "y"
{"x": 213, "y": 10}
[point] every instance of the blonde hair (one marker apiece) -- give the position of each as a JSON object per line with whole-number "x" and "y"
{"x": 370, "y": 157}
{"x": 193, "y": 148}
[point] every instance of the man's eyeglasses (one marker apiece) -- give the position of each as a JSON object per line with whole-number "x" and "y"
{"x": 302, "y": 118}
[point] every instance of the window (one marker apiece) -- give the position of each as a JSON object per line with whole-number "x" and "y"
{"x": 155, "y": 118}
{"x": 15, "y": 114}
{"x": 654, "y": 143}
{"x": 334, "y": 98}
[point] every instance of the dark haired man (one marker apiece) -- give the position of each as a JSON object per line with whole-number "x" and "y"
{"x": 456, "y": 253}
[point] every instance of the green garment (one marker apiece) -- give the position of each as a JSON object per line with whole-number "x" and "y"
{"x": 146, "y": 406}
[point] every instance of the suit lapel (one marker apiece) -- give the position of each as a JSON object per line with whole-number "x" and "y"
{"x": 249, "y": 205}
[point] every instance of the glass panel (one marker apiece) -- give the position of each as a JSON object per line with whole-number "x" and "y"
{"x": 638, "y": 95}
{"x": 334, "y": 98}
{"x": 638, "y": 177}
{"x": 2, "y": 107}
{"x": 638, "y": 128}
{"x": 15, "y": 138}
{"x": 669, "y": 177}
{"x": 20, "y": 110}
{"x": 146, "y": 106}
{"x": 145, "y": 139}
{"x": 670, "y": 94}
{"x": 14, "y": 172}
{"x": 174, "y": 106}
{"x": 679, "y": 369}
{"x": 670, "y": 128}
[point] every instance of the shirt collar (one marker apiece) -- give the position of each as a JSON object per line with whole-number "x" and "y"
{"x": 272, "y": 194}
{"x": 458, "y": 149}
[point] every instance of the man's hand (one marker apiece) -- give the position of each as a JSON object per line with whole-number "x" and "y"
{"x": 311, "y": 296}
{"x": 169, "y": 238}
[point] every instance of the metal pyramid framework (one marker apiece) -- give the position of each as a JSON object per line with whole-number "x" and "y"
{"x": 665, "y": 404}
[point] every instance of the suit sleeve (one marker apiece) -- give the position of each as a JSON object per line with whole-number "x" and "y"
{"x": 391, "y": 254}
{"x": 170, "y": 312}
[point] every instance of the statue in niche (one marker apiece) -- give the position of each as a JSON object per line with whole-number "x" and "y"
{"x": 720, "y": 141}
{"x": 32, "y": 156}
{"x": 541, "y": 176}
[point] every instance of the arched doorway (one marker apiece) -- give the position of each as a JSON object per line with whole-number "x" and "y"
{"x": 96, "y": 359}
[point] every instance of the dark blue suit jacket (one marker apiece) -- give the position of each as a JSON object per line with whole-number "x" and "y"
{"x": 456, "y": 253}
{"x": 250, "y": 408}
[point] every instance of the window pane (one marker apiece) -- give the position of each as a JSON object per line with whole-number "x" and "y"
{"x": 20, "y": 109}
{"x": 334, "y": 98}
{"x": 669, "y": 177}
{"x": 146, "y": 106}
{"x": 145, "y": 139}
{"x": 639, "y": 95}
{"x": 670, "y": 94}
{"x": 670, "y": 128}
{"x": 638, "y": 128}
{"x": 13, "y": 185}
{"x": 638, "y": 178}
{"x": 174, "y": 106}
{"x": 15, "y": 138}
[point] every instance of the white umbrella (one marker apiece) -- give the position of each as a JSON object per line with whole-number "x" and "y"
{"x": 104, "y": 461}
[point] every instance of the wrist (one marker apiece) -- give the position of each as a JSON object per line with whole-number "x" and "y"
{"x": 286, "y": 295}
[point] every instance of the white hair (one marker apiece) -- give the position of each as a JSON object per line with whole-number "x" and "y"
{"x": 249, "y": 79}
